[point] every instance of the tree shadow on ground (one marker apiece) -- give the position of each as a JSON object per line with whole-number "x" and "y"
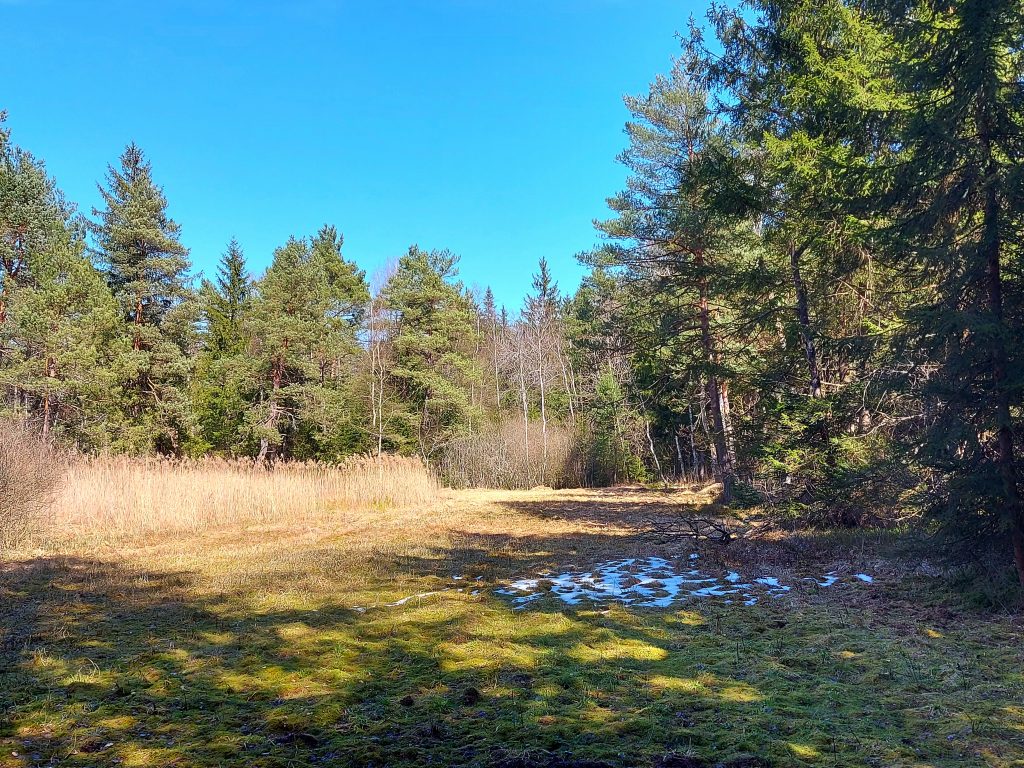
{"x": 631, "y": 512}
{"x": 104, "y": 664}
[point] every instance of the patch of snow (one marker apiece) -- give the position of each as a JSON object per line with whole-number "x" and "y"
{"x": 864, "y": 577}
{"x": 827, "y": 580}
{"x": 405, "y": 600}
{"x": 651, "y": 582}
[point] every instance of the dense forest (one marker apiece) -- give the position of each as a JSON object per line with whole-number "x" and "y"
{"x": 810, "y": 291}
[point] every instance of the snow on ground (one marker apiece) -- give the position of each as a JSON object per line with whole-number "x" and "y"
{"x": 651, "y": 582}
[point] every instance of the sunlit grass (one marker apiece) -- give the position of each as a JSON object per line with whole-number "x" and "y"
{"x": 269, "y": 645}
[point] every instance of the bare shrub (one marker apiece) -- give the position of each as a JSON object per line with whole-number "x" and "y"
{"x": 113, "y": 499}
{"x": 29, "y": 473}
{"x": 510, "y": 455}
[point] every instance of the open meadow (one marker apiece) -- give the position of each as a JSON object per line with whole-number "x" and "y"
{"x": 204, "y": 615}
{"x": 475, "y": 384}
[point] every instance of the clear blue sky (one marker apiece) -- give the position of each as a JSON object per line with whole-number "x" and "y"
{"x": 489, "y": 127}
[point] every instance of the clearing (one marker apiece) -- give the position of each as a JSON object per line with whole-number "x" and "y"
{"x": 496, "y": 628}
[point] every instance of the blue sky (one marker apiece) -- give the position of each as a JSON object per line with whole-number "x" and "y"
{"x": 488, "y": 127}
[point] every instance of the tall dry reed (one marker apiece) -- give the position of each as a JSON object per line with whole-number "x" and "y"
{"x": 115, "y": 498}
{"x": 29, "y": 472}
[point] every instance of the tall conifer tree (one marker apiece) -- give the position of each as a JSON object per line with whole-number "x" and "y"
{"x": 57, "y": 318}
{"x": 955, "y": 200}
{"x": 137, "y": 245}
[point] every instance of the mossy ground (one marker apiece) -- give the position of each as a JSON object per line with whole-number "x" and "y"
{"x": 246, "y": 648}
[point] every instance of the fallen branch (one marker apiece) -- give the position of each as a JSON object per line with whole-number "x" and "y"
{"x": 695, "y": 528}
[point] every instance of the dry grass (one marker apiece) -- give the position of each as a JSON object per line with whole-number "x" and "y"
{"x": 278, "y": 638}
{"x": 119, "y": 500}
{"x": 28, "y": 476}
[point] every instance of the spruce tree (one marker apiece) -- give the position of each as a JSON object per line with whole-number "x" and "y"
{"x": 217, "y": 397}
{"x": 137, "y": 245}
{"x": 953, "y": 203}
{"x": 224, "y": 302}
{"x": 805, "y": 85}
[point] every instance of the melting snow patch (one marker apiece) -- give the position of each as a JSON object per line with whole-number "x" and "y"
{"x": 651, "y": 582}
{"x": 864, "y": 577}
{"x": 828, "y": 580}
{"x": 405, "y": 600}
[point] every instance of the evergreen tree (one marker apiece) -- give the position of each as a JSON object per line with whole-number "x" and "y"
{"x": 146, "y": 266}
{"x": 217, "y": 396}
{"x": 225, "y": 300}
{"x": 953, "y": 206}
{"x": 302, "y": 328}
{"x": 433, "y": 343}
{"x": 543, "y": 304}
{"x": 805, "y": 85}
{"x": 57, "y": 318}
{"x": 672, "y": 233}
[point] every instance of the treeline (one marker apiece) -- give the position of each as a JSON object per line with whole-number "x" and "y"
{"x": 810, "y": 291}
{"x": 107, "y": 342}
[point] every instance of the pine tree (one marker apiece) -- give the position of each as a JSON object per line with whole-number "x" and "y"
{"x": 302, "y": 328}
{"x": 57, "y": 318}
{"x": 671, "y": 233}
{"x": 433, "y": 349}
{"x": 146, "y": 266}
{"x": 336, "y": 414}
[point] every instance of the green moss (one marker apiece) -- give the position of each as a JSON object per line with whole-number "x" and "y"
{"x": 93, "y": 675}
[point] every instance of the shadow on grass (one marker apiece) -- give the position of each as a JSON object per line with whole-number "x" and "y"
{"x": 102, "y": 664}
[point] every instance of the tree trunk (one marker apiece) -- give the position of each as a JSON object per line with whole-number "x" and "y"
{"x": 266, "y": 454}
{"x": 654, "y": 453}
{"x": 803, "y": 317}
{"x": 51, "y": 372}
{"x": 990, "y": 248}
{"x": 543, "y": 431}
{"x": 693, "y": 444}
{"x": 566, "y": 384}
{"x": 137, "y": 341}
{"x": 730, "y": 438}
{"x": 526, "y": 410}
{"x": 497, "y": 378}
{"x": 724, "y": 464}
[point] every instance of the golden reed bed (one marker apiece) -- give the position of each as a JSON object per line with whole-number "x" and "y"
{"x": 114, "y": 499}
